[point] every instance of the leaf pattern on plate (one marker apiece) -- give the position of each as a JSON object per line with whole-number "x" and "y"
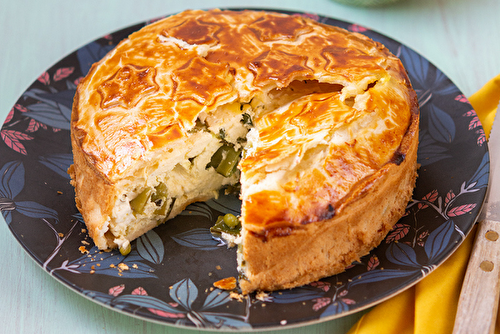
{"x": 381, "y": 275}
{"x": 63, "y": 72}
{"x": 35, "y": 153}
{"x": 402, "y": 255}
{"x": 474, "y": 122}
{"x": 97, "y": 262}
{"x": 426, "y": 79}
{"x": 35, "y": 125}
{"x": 198, "y": 209}
{"x": 58, "y": 163}
{"x": 52, "y": 109}
{"x": 116, "y": 290}
{"x": 439, "y": 239}
{"x": 184, "y": 294}
{"x": 150, "y": 247}
{"x": 481, "y": 176}
{"x": 430, "y": 151}
{"x": 90, "y": 54}
{"x": 461, "y": 210}
{"x": 373, "y": 263}
{"x": 199, "y": 238}
{"x": 357, "y": 28}
{"x": 300, "y": 294}
{"x": 12, "y": 182}
{"x": 434, "y": 141}
{"x": 44, "y": 78}
{"x": 441, "y": 125}
{"x": 226, "y": 204}
{"x": 337, "y": 302}
{"x": 13, "y": 138}
{"x": 398, "y": 231}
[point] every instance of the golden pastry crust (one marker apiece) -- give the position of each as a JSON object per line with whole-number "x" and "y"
{"x": 287, "y": 256}
{"x": 330, "y": 127}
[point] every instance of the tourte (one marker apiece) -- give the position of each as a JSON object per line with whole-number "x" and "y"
{"x": 317, "y": 125}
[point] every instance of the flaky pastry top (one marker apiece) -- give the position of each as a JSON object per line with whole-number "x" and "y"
{"x": 147, "y": 93}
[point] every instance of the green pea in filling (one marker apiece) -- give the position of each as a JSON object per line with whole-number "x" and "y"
{"x": 228, "y": 223}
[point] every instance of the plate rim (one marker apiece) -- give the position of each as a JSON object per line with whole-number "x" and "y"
{"x": 299, "y": 323}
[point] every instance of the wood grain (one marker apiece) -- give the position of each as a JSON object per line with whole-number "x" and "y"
{"x": 478, "y": 303}
{"x": 459, "y": 36}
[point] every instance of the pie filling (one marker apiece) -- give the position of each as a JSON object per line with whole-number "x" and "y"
{"x": 216, "y": 144}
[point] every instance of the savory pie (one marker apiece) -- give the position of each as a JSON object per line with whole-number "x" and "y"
{"x": 319, "y": 126}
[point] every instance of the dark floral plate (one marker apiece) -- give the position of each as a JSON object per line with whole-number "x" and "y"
{"x": 168, "y": 276}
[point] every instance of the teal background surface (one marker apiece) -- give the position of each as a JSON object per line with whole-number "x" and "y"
{"x": 460, "y": 37}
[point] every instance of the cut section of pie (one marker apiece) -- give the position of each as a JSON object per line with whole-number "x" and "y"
{"x": 319, "y": 126}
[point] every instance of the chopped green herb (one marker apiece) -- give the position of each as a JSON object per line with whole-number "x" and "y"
{"x": 246, "y": 119}
{"x": 222, "y": 133}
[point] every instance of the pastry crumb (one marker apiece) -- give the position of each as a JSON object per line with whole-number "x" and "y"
{"x": 123, "y": 266}
{"x": 83, "y": 250}
{"x": 236, "y": 296}
{"x": 262, "y": 296}
{"x": 228, "y": 283}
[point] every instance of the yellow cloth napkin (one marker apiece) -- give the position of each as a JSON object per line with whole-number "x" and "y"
{"x": 430, "y": 305}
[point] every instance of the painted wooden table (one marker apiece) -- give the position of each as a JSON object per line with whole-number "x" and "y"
{"x": 461, "y": 37}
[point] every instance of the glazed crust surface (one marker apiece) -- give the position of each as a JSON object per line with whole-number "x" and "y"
{"x": 148, "y": 92}
{"x": 334, "y": 131}
{"x": 282, "y": 258}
